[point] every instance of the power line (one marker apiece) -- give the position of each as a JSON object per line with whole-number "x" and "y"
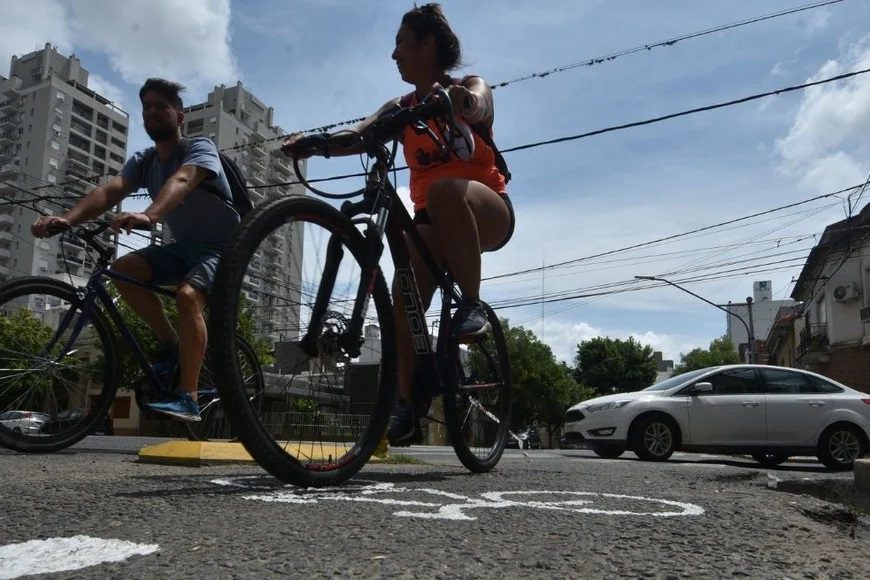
{"x": 668, "y": 42}
{"x": 671, "y": 237}
{"x": 587, "y": 62}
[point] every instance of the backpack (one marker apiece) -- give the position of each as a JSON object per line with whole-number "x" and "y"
{"x": 483, "y": 130}
{"x": 238, "y": 186}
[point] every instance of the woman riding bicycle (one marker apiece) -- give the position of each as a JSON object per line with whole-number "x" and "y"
{"x": 461, "y": 208}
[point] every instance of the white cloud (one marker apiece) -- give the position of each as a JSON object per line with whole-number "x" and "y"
{"x": 193, "y": 46}
{"x": 826, "y": 146}
{"x": 563, "y": 337}
{"x": 106, "y": 88}
{"x": 27, "y": 26}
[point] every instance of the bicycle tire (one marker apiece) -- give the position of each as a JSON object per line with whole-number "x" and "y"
{"x": 477, "y": 398}
{"x": 215, "y": 423}
{"x": 30, "y": 381}
{"x": 301, "y": 438}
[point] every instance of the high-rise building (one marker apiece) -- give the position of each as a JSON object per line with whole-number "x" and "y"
{"x": 242, "y": 125}
{"x": 58, "y": 139}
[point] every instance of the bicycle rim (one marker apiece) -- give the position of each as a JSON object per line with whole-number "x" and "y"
{"x": 58, "y": 373}
{"x": 478, "y": 399}
{"x": 325, "y": 407}
{"x": 215, "y": 423}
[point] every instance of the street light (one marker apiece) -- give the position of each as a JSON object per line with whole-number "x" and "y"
{"x": 749, "y": 335}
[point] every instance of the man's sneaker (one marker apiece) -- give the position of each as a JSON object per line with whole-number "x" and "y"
{"x": 405, "y": 429}
{"x": 166, "y": 361}
{"x": 182, "y": 407}
{"x": 470, "y": 320}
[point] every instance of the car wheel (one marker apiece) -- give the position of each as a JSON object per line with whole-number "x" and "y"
{"x": 608, "y": 451}
{"x": 654, "y": 438}
{"x": 840, "y": 446}
{"x": 769, "y": 459}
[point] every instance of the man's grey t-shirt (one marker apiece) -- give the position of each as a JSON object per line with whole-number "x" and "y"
{"x": 203, "y": 217}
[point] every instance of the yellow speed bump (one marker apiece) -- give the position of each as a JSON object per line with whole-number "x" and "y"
{"x": 197, "y": 453}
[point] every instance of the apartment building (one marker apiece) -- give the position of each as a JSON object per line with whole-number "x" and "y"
{"x": 758, "y": 315}
{"x": 58, "y": 138}
{"x": 243, "y": 126}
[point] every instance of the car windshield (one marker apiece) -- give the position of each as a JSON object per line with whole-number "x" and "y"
{"x": 677, "y": 380}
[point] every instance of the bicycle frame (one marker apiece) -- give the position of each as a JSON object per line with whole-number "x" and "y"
{"x": 392, "y": 221}
{"x": 95, "y": 291}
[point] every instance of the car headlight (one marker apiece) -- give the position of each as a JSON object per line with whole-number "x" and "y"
{"x": 606, "y": 406}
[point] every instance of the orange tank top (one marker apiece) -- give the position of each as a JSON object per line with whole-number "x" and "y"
{"x": 421, "y": 155}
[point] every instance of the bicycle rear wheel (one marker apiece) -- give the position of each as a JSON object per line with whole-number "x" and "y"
{"x": 215, "y": 423}
{"x": 58, "y": 367}
{"x": 326, "y": 405}
{"x": 477, "y": 401}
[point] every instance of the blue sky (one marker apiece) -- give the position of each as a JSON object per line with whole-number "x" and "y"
{"x": 321, "y": 61}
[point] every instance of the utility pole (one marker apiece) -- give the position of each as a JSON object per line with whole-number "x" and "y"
{"x": 753, "y": 356}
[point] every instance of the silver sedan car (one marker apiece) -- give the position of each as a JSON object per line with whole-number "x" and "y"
{"x": 767, "y": 412}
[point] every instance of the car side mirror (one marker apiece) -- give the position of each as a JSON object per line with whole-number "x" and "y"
{"x": 701, "y": 388}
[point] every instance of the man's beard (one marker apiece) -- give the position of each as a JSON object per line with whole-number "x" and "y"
{"x": 160, "y": 132}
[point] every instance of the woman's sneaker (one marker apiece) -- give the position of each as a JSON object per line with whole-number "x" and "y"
{"x": 470, "y": 320}
{"x": 405, "y": 428}
{"x": 182, "y": 407}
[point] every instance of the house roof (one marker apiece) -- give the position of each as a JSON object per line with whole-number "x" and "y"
{"x": 836, "y": 237}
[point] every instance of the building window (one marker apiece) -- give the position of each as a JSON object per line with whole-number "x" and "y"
{"x": 61, "y": 96}
{"x": 195, "y": 126}
{"x": 55, "y": 145}
{"x": 116, "y": 158}
{"x": 51, "y": 178}
{"x": 99, "y": 168}
{"x": 82, "y": 110}
{"x": 119, "y": 128}
{"x": 80, "y": 126}
{"x": 102, "y": 121}
{"x": 80, "y": 142}
{"x": 56, "y": 128}
{"x": 118, "y": 143}
{"x": 52, "y": 162}
{"x": 99, "y": 152}
{"x": 102, "y": 137}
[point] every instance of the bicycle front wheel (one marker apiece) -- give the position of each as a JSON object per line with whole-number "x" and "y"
{"x": 477, "y": 401}
{"x": 291, "y": 273}
{"x": 58, "y": 367}
{"x": 215, "y": 423}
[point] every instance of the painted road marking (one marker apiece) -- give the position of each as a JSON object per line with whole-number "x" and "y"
{"x": 65, "y": 554}
{"x": 435, "y": 504}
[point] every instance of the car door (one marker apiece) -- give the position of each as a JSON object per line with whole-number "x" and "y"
{"x": 733, "y": 414}
{"x": 796, "y": 408}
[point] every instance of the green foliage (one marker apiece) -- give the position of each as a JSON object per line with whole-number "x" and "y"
{"x": 610, "y": 365}
{"x": 543, "y": 388}
{"x": 721, "y": 352}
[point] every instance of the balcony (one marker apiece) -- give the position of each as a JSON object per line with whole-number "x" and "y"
{"x": 865, "y": 314}
{"x": 9, "y": 107}
{"x": 282, "y": 166}
{"x": 6, "y": 222}
{"x": 813, "y": 345}
{"x": 7, "y": 139}
{"x": 9, "y": 171}
{"x": 7, "y": 123}
{"x": 5, "y": 238}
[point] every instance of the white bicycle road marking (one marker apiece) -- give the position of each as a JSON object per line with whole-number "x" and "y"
{"x": 437, "y": 504}
{"x": 65, "y": 554}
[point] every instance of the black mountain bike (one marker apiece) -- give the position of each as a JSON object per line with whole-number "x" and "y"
{"x": 60, "y": 365}
{"x": 320, "y": 269}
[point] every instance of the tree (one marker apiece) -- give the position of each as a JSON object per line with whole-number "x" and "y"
{"x": 543, "y": 388}
{"x": 721, "y": 352}
{"x": 610, "y": 365}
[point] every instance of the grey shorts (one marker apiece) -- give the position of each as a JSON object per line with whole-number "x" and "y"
{"x": 174, "y": 263}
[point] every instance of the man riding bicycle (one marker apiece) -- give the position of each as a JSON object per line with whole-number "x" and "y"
{"x": 191, "y": 195}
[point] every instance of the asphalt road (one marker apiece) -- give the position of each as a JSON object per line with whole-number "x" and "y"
{"x": 551, "y": 514}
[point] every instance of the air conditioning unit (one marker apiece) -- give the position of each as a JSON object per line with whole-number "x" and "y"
{"x": 846, "y": 292}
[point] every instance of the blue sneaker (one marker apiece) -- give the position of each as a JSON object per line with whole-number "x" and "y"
{"x": 181, "y": 407}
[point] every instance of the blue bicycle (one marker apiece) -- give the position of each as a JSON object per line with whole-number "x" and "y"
{"x": 60, "y": 365}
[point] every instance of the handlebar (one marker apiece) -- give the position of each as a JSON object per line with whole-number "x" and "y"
{"x": 378, "y": 131}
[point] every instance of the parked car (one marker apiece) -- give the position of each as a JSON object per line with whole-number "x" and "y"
{"x": 528, "y": 435}
{"x": 768, "y": 412}
{"x": 63, "y": 419}
{"x": 23, "y": 421}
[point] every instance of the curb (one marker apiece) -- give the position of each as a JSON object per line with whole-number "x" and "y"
{"x": 862, "y": 474}
{"x": 199, "y": 453}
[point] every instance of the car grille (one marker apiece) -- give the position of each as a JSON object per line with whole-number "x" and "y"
{"x": 573, "y": 416}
